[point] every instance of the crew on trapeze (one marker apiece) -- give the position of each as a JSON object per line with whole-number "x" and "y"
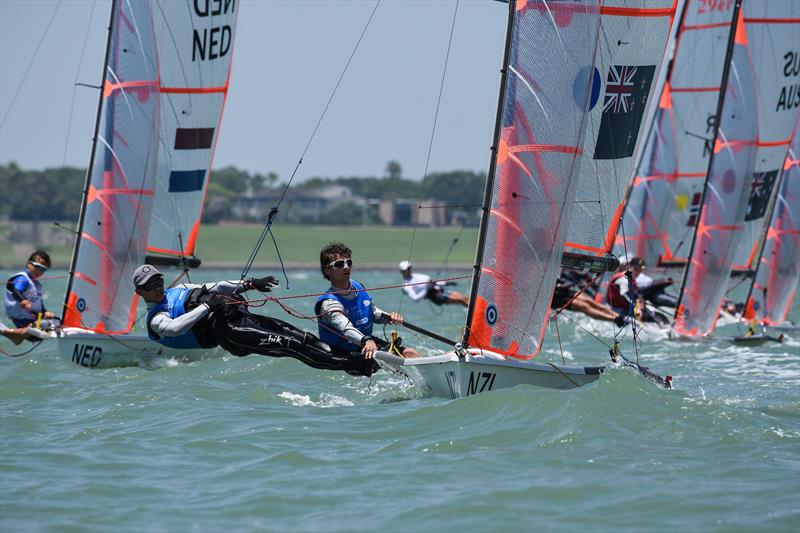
{"x": 568, "y": 294}
{"x": 419, "y": 286}
{"x": 624, "y": 295}
{"x": 346, "y": 313}
{"x": 24, "y": 301}
{"x": 192, "y": 316}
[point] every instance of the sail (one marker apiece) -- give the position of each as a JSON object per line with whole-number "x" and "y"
{"x": 194, "y": 85}
{"x": 633, "y": 38}
{"x": 540, "y": 135}
{"x": 143, "y": 108}
{"x": 662, "y": 207}
{"x": 778, "y": 270}
{"x": 773, "y": 30}
{"x": 723, "y": 211}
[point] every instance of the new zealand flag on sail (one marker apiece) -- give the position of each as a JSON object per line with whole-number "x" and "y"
{"x": 760, "y": 191}
{"x": 627, "y": 89}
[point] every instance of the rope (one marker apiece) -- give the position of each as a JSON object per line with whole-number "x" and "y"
{"x": 563, "y": 374}
{"x": 26, "y": 352}
{"x": 274, "y": 211}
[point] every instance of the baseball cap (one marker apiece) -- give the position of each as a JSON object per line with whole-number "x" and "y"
{"x": 143, "y": 274}
{"x": 404, "y": 265}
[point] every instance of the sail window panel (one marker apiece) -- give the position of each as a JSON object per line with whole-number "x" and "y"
{"x": 544, "y": 106}
{"x": 720, "y": 224}
{"x": 630, "y": 52}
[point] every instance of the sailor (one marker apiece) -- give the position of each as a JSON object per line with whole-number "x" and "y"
{"x": 566, "y": 294}
{"x": 24, "y": 299}
{"x": 655, "y": 290}
{"x": 345, "y": 311}
{"x": 192, "y": 316}
{"x": 624, "y": 296}
{"x": 419, "y": 286}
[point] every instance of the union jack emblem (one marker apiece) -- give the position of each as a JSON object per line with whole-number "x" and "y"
{"x": 619, "y": 89}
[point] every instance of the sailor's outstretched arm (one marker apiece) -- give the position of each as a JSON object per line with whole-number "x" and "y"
{"x": 164, "y": 326}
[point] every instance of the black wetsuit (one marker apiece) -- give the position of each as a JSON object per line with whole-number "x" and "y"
{"x": 240, "y": 332}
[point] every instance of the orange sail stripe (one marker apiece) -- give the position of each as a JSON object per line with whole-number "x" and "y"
{"x": 771, "y": 21}
{"x": 109, "y": 88}
{"x": 741, "y": 32}
{"x": 695, "y": 89}
{"x": 584, "y": 247}
{"x": 87, "y": 279}
{"x": 194, "y": 90}
{"x": 706, "y": 26}
{"x": 507, "y": 220}
{"x": 545, "y": 148}
{"x": 637, "y": 11}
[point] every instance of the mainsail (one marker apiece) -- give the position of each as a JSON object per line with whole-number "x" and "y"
{"x": 164, "y": 84}
{"x": 543, "y": 157}
{"x": 739, "y": 149}
{"x": 662, "y": 208}
{"x": 773, "y": 30}
{"x": 778, "y": 270}
{"x": 633, "y": 38}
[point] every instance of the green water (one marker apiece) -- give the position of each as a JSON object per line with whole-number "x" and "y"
{"x": 260, "y": 444}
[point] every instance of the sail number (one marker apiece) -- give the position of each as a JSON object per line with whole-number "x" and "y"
{"x": 480, "y": 382}
{"x": 213, "y": 43}
{"x": 707, "y": 6}
{"x": 87, "y": 355}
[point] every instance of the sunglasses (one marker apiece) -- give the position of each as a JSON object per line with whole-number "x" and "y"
{"x": 38, "y": 266}
{"x": 340, "y": 263}
{"x": 158, "y": 281}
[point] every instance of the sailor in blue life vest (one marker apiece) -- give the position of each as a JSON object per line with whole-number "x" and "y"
{"x": 24, "y": 300}
{"x": 193, "y": 316}
{"x": 345, "y": 311}
{"x": 419, "y": 286}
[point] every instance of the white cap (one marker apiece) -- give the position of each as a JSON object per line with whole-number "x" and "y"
{"x": 404, "y": 265}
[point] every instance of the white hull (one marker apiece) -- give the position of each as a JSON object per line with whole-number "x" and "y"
{"x": 448, "y": 376}
{"x": 93, "y": 350}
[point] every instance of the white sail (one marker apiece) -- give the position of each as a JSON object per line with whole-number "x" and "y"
{"x": 738, "y": 151}
{"x": 773, "y": 31}
{"x": 778, "y": 270}
{"x": 662, "y": 208}
{"x": 630, "y": 51}
{"x": 166, "y": 71}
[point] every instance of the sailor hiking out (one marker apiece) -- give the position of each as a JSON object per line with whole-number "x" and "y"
{"x": 192, "y": 316}
{"x": 419, "y": 286}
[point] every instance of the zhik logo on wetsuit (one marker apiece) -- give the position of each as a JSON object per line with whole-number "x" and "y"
{"x": 271, "y": 339}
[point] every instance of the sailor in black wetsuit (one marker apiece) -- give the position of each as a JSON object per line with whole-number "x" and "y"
{"x": 191, "y": 316}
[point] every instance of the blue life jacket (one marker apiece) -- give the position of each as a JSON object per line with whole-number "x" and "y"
{"x": 172, "y": 304}
{"x": 358, "y": 311}
{"x": 33, "y": 293}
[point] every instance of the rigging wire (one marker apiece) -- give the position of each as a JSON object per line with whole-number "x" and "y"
{"x": 76, "y": 84}
{"x": 433, "y": 133}
{"x": 30, "y": 64}
{"x": 274, "y": 211}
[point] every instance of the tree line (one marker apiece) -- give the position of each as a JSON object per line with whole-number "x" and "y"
{"x": 55, "y": 193}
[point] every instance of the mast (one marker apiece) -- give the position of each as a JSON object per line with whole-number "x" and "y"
{"x": 487, "y": 192}
{"x": 722, "y": 90}
{"x": 89, "y": 170}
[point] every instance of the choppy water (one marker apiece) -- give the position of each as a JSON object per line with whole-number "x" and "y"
{"x": 260, "y": 444}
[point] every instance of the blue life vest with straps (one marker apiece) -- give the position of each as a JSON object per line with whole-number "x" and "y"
{"x": 173, "y": 305}
{"x": 32, "y": 293}
{"x": 359, "y": 312}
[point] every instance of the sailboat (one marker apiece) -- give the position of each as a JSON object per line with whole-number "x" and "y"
{"x": 664, "y": 199}
{"x": 750, "y": 144}
{"x": 164, "y": 84}
{"x": 553, "y": 132}
{"x": 778, "y": 269}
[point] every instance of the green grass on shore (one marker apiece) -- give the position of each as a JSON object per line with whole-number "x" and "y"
{"x": 370, "y": 244}
{"x": 301, "y": 245}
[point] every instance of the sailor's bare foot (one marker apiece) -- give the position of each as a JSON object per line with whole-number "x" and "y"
{"x": 410, "y": 353}
{"x": 16, "y": 335}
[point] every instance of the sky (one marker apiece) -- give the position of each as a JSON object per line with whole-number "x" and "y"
{"x": 287, "y": 59}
